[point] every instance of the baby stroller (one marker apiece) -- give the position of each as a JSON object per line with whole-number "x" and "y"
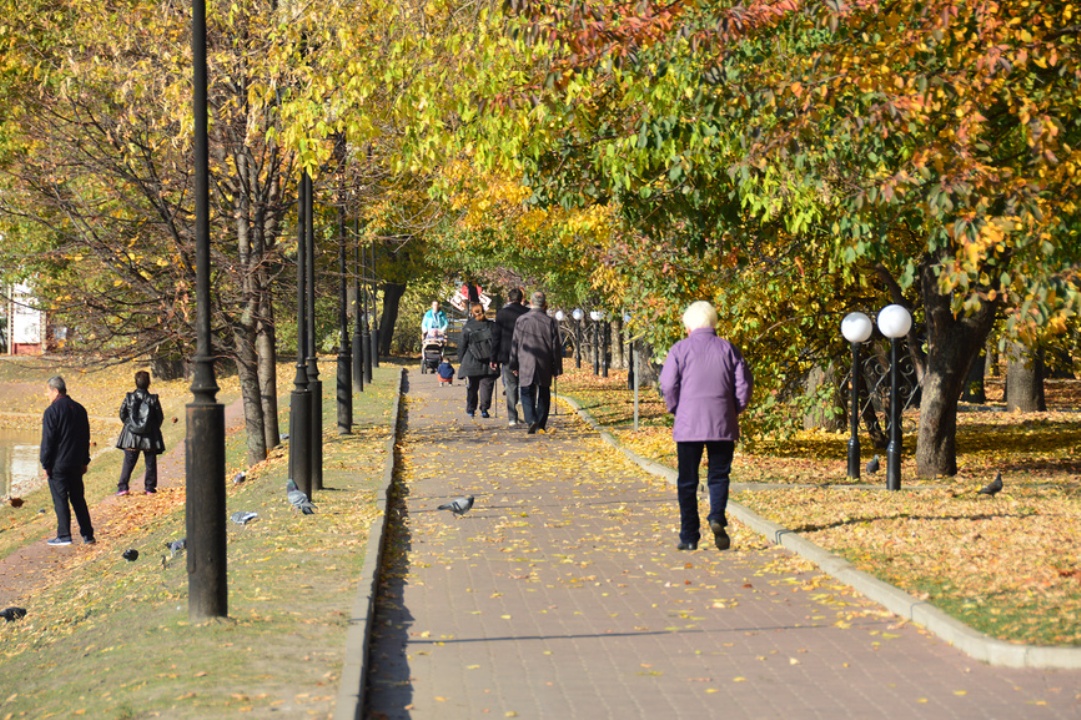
{"x": 432, "y": 344}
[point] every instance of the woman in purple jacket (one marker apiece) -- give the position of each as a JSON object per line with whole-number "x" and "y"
{"x": 706, "y": 384}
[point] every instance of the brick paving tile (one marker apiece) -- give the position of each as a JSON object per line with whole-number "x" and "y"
{"x": 561, "y": 595}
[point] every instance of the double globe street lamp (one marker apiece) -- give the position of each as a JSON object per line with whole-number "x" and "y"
{"x": 894, "y": 322}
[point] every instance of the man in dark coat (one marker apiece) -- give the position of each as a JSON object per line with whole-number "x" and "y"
{"x": 142, "y": 417}
{"x": 65, "y": 453}
{"x": 502, "y": 334}
{"x": 536, "y": 357}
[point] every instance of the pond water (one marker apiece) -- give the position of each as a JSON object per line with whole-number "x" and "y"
{"x": 19, "y": 469}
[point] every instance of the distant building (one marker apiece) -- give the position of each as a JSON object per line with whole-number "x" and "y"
{"x": 25, "y": 322}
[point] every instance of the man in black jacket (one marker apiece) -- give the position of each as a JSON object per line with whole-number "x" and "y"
{"x": 65, "y": 453}
{"x": 502, "y": 334}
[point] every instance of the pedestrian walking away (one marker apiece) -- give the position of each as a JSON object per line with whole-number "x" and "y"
{"x": 706, "y": 385}
{"x": 142, "y": 417}
{"x": 476, "y": 356}
{"x": 65, "y": 455}
{"x": 536, "y": 357}
{"x": 502, "y": 335}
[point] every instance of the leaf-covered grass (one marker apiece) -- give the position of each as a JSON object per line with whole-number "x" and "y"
{"x": 1009, "y": 566}
{"x": 111, "y": 639}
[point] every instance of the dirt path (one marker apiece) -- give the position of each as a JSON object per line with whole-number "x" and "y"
{"x": 35, "y": 564}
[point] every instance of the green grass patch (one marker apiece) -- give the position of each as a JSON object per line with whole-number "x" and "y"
{"x": 111, "y": 639}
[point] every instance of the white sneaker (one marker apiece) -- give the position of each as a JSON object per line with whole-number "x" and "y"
{"x": 512, "y": 423}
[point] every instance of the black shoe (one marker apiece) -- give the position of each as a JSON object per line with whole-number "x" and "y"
{"x": 720, "y": 537}
{"x": 89, "y": 541}
{"x": 687, "y": 546}
{"x": 484, "y": 414}
{"x": 533, "y": 428}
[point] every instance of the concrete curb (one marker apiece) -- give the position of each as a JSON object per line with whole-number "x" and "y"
{"x": 969, "y": 641}
{"x": 357, "y": 639}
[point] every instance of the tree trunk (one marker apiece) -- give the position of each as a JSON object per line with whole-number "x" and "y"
{"x": 1024, "y": 380}
{"x": 392, "y": 297}
{"x": 247, "y": 366}
{"x": 267, "y": 368}
{"x": 974, "y": 390}
{"x": 819, "y": 417}
{"x": 168, "y": 363}
{"x": 953, "y": 344}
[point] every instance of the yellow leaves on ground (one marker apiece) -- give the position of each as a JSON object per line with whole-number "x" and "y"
{"x": 1008, "y": 565}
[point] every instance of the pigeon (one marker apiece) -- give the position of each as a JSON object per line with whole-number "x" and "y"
{"x": 992, "y": 487}
{"x": 239, "y": 477}
{"x": 11, "y": 614}
{"x": 283, "y": 437}
{"x": 243, "y": 517}
{"x": 459, "y": 506}
{"x": 15, "y": 502}
{"x": 131, "y": 555}
{"x": 177, "y": 546}
{"x": 299, "y": 500}
{"x": 873, "y": 465}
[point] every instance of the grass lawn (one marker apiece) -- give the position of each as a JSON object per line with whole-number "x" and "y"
{"x": 1009, "y": 566}
{"x": 107, "y": 638}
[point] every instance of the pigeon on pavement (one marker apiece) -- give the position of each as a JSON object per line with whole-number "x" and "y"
{"x": 873, "y": 465}
{"x": 177, "y": 546}
{"x": 299, "y": 500}
{"x": 131, "y": 555}
{"x": 992, "y": 487}
{"x": 243, "y": 517}
{"x": 11, "y": 614}
{"x": 459, "y": 506}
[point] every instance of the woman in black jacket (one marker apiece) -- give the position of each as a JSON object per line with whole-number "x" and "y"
{"x": 477, "y": 358}
{"x": 142, "y": 417}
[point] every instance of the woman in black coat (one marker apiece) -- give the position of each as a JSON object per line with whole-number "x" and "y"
{"x": 477, "y": 361}
{"x": 142, "y": 417}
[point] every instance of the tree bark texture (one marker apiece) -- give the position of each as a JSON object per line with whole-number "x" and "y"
{"x": 1024, "y": 380}
{"x": 952, "y": 345}
{"x": 268, "y": 367}
{"x": 392, "y": 297}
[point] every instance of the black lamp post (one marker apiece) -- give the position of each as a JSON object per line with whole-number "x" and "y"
{"x": 856, "y": 328}
{"x": 345, "y": 359}
{"x": 300, "y": 401}
{"x": 577, "y": 314}
{"x": 315, "y": 385}
{"x": 366, "y": 317}
{"x": 559, "y": 316}
{"x": 358, "y": 313}
{"x": 595, "y": 316}
{"x": 606, "y": 349}
{"x": 894, "y": 321}
{"x": 208, "y": 591}
{"x": 374, "y": 354}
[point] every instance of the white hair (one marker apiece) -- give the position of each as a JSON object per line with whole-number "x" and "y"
{"x": 699, "y": 315}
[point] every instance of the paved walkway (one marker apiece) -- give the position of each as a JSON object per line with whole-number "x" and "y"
{"x": 561, "y": 595}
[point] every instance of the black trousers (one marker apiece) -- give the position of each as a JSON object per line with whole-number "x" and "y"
{"x": 719, "y": 466}
{"x": 536, "y": 402}
{"x": 67, "y": 488}
{"x": 150, "y": 479}
{"x": 478, "y": 393}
